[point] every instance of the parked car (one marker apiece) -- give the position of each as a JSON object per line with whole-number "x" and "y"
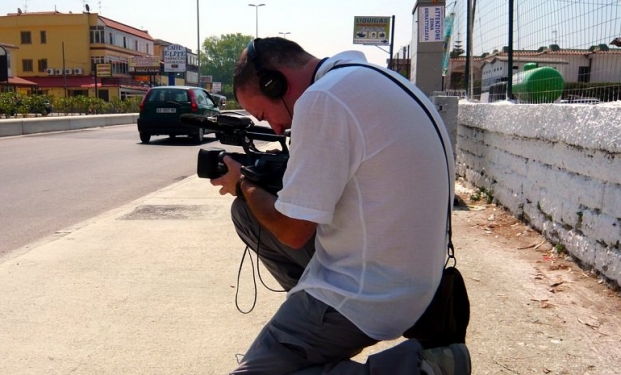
{"x": 220, "y": 100}
{"x": 162, "y": 106}
{"x": 37, "y": 105}
{"x": 48, "y": 106}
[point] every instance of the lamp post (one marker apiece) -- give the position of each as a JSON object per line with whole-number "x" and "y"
{"x": 284, "y": 34}
{"x": 256, "y": 7}
{"x": 198, "y": 44}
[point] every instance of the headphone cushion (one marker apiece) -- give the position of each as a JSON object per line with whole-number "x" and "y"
{"x": 272, "y": 83}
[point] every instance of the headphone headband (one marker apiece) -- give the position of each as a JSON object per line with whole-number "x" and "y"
{"x": 272, "y": 83}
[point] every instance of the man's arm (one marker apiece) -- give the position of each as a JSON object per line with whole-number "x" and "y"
{"x": 291, "y": 232}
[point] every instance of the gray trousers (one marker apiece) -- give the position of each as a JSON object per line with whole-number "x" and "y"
{"x": 306, "y": 336}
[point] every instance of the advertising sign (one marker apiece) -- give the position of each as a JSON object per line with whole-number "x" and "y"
{"x": 431, "y": 24}
{"x": 175, "y": 57}
{"x": 448, "y": 31}
{"x": 372, "y": 30}
{"x": 144, "y": 65}
{"x": 104, "y": 70}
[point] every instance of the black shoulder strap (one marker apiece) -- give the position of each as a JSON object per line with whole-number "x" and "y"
{"x": 450, "y": 249}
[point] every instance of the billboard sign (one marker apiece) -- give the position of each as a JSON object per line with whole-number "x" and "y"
{"x": 175, "y": 57}
{"x": 104, "y": 70}
{"x": 431, "y": 24}
{"x": 372, "y": 30}
{"x": 142, "y": 65}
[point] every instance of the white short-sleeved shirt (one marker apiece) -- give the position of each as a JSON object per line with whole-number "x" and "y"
{"x": 368, "y": 166}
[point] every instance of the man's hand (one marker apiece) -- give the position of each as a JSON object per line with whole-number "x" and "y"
{"x": 228, "y": 180}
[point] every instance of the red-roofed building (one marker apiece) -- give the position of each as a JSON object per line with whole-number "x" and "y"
{"x": 60, "y": 53}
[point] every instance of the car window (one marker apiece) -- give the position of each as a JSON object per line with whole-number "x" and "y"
{"x": 165, "y": 95}
{"x": 200, "y": 97}
{"x": 208, "y": 99}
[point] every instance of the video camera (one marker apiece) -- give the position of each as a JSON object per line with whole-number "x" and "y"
{"x": 266, "y": 169}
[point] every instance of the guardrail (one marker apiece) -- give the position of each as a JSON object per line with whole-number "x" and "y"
{"x": 22, "y": 126}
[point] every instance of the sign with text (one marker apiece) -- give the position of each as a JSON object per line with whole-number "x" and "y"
{"x": 175, "y": 57}
{"x": 144, "y": 65}
{"x": 104, "y": 70}
{"x": 372, "y": 30}
{"x": 431, "y": 24}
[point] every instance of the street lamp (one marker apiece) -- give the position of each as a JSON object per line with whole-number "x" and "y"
{"x": 284, "y": 34}
{"x": 198, "y": 43}
{"x": 256, "y": 7}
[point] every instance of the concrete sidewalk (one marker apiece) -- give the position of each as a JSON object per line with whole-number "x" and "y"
{"x": 150, "y": 288}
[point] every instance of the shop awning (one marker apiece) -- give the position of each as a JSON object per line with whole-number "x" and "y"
{"x": 60, "y": 81}
{"x": 16, "y": 81}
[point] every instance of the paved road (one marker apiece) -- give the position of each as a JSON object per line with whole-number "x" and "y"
{"x": 51, "y": 181}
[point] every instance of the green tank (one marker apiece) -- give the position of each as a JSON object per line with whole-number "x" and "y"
{"x": 538, "y": 85}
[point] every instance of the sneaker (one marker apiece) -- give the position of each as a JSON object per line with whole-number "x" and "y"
{"x": 447, "y": 360}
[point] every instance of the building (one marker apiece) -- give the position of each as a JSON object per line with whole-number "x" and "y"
{"x": 596, "y": 65}
{"x": 189, "y": 77}
{"x": 61, "y": 53}
{"x": 9, "y": 82}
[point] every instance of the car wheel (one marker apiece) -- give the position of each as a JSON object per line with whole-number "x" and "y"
{"x": 145, "y": 137}
{"x": 200, "y": 137}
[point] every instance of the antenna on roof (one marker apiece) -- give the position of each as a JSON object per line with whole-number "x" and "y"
{"x": 19, "y": 10}
{"x": 88, "y": 9}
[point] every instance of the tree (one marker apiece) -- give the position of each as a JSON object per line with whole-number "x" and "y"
{"x": 457, "y": 49}
{"x": 219, "y": 56}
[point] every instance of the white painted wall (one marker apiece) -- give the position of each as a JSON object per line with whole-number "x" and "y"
{"x": 557, "y": 166}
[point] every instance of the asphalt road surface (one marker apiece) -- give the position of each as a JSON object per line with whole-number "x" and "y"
{"x": 54, "y": 180}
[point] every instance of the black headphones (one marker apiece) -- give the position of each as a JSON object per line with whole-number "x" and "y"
{"x": 272, "y": 83}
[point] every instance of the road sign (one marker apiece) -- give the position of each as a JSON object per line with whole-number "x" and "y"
{"x": 431, "y": 24}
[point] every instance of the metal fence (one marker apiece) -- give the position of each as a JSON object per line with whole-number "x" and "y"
{"x": 520, "y": 48}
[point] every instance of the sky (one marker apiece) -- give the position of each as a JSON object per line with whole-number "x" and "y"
{"x": 322, "y": 27}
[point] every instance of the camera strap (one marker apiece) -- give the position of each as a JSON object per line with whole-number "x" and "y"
{"x": 449, "y": 229}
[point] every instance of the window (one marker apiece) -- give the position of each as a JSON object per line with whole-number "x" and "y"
{"x": 78, "y": 93}
{"x": 42, "y": 65}
{"x": 96, "y": 60}
{"x": 97, "y": 34}
{"x": 26, "y": 37}
{"x": 27, "y": 65}
{"x": 584, "y": 74}
{"x": 43, "y": 35}
{"x": 124, "y": 42}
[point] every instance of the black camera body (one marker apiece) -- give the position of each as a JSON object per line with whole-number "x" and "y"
{"x": 265, "y": 168}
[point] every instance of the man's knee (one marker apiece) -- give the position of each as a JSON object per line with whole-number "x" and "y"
{"x": 241, "y": 215}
